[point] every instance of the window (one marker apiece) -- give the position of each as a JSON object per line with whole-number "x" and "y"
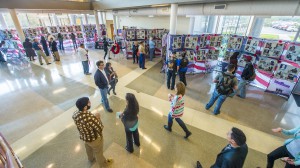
{"x": 234, "y": 25}
{"x": 200, "y": 25}
{"x": 9, "y": 21}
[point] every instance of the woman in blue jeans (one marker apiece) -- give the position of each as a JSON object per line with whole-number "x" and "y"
{"x": 130, "y": 120}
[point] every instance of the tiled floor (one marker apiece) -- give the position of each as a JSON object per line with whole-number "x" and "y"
{"x": 38, "y": 102}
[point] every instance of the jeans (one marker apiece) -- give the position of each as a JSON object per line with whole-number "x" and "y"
{"x": 279, "y": 153}
{"x": 94, "y": 150}
{"x": 1, "y": 57}
{"x": 135, "y": 57}
{"x": 182, "y": 77}
{"x": 113, "y": 84}
{"x": 216, "y": 96}
{"x": 171, "y": 74}
{"x": 61, "y": 45}
{"x": 105, "y": 53}
{"x": 142, "y": 60}
{"x": 41, "y": 54}
{"x": 152, "y": 52}
{"x": 179, "y": 121}
{"x": 74, "y": 44}
{"x": 103, "y": 93}
{"x": 85, "y": 65}
{"x": 242, "y": 88}
{"x": 129, "y": 140}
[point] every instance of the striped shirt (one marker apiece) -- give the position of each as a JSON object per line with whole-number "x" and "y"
{"x": 177, "y": 106}
{"x": 88, "y": 125}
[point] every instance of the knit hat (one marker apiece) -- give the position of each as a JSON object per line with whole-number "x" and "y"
{"x": 82, "y": 102}
{"x": 238, "y": 136}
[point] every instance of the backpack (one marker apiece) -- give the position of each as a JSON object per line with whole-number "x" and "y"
{"x": 184, "y": 63}
{"x": 253, "y": 76}
{"x": 225, "y": 85}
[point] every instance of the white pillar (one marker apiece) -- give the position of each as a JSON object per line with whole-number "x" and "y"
{"x": 173, "y": 18}
{"x": 101, "y": 17}
{"x": 115, "y": 24}
{"x": 97, "y": 23}
{"x": 56, "y": 22}
{"x": 17, "y": 24}
{"x": 3, "y": 22}
{"x": 212, "y": 24}
{"x": 104, "y": 18}
{"x": 72, "y": 19}
{"x": 192, "y": 24}
{"x": 256, "y": 26}
{"x": 86, "y": 21}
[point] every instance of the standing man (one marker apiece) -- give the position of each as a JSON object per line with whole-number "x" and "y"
{"x": 105, "y": 47}
{"x": 73, "y": 37}
{"x": 182, "y": 66}
{"x": 172, "y": 70}
{"x": 151, "y": 48}
{"x": 226, "y": 83}
{"x": 53, "y": 46}
{"x": 235, "y": 153}
{"x": 142, "y": 55}
{"x": 83, "y": 55}
{"x": 135, "y": 49}
{"x": 247, "y": 75}
{"x": 90, "y": 130}
{"x": 39, "y": 51}
{"x": 102, "y": 82}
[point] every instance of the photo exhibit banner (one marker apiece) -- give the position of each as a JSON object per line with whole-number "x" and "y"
{"x": 272, "y": 49}
{"x": 62, "y": 29}
{"x": 176, "y": 42}
{"x": 235, "y": 43}
{"x": 215, "y": 41}
{"x": 266, "y": 65}
{"x": 77, "y": 28}
{"x": 280, "y": 87}
{"x": 203, "y": 41}
{"x": 252, "y": 45}
{"x": 242, "y": 62}
{"x": 53, "y": 29}
{"x": 292, "y": 53}
{"x": 70, "y": 29}
{"x": 130, "y": 35}
{"x": 151, "y": 33}
{"x": 191, "y": 42}
{"x": 140, "y": 34}
{"x": 287, "y": 72}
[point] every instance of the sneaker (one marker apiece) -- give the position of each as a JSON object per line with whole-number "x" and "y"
{"x": 166, "y": 127}
{"x": 48, "y": 63}
{"x": 214, "y": 113}
{"x": 110, "y": 110}
{"x": 115, "y": 93}
{"x": 187, "y": 135}
{"x": 42, "y": 64}
{"x": 128, "y": 150}
{"x": 109, "y": 161}
{"x": 109, "y": 58}
{"x": 88, "y": 73}
{"x": 144, "y": 68}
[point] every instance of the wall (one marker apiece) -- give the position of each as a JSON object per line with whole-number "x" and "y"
{"x": 108, "y": 32}
{"x": 155, "y": 22}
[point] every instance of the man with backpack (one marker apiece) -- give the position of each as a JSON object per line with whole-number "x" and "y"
{"x": 182, "y": 66}
{"x": 226, "y": 83}
{"x": 247, "y": 75}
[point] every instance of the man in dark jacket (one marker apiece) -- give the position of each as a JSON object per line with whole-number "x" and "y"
{"x": 235, "y": 153}
{"x": 105, "y": 47}
{"x": 102, "y": 82}
{"x": 53, "y": 47}
{"x": 182, "y": 67}
{"x": 248, "y": 72}
{"x": 135, "y": 49}
{"x": 172, "y": 70}
{"x": 73, "y": 37}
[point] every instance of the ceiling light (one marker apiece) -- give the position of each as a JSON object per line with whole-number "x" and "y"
{"x": 151, "y": 16}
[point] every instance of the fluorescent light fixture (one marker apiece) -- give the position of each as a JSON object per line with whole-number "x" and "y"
{"x": 159, "y": 5}
{"x": 151, "y": 16}
{"x": 59, "y": 90}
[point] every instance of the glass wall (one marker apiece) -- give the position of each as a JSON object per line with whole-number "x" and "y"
{"x": 91, "y": 19}
{"x": 9, "y": 21}
{"x": 200, "y": 25}
{"x": 234, "y": 25}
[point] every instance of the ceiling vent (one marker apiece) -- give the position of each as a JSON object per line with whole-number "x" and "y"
{"x": 220, "y": 6}
{"x": 115, "y": 12}
{"x": 134, "y": 11}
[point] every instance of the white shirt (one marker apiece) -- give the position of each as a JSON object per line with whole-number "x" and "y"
{"x": 82, "y": 53}
{"x": 103, "y": 72}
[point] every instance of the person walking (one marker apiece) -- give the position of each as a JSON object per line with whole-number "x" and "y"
{"x": 248, "y": 74}
{"x": 142, "y": 55}
{"x": 234, "y": 60}
{"x": 45, "y": 46}
{"x": 135, "y": 49}
{"x": 112, "y": 77}
{"x": 290, "y": 150}
{"x": 90, "y": 130}
{"x": 151, "y": 48}
{"x": 73, "y": 38}
{"x": 172, "y": 70}
{"x": 102, "y": 82}
{"x": 130, "y": 120}
{"x": 83, "y": 55}
{"x": 105, "y": 47}
{"x": 39, "y": 51}
{"x": 53, "y": 46}
{"x": 226, "y": 83}
{"x": 61, "y": 42}
{"x": 177, "y": 109}
{"x": 182, "y": 67}
{"x": 234, "y": 154}
{"x": 28, "y": 49}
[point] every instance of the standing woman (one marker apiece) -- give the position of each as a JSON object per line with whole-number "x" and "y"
{"x": 28, "y": 49}
{"x": 61, "y": 42}
{"x": 177, "y": 109}
{"x": 130, "y": 120}
{"x": 142, "y": 55}
{"x": 112, "y": 77}
{"x": 45, "y": 46}
{"x": 234, "y": 60}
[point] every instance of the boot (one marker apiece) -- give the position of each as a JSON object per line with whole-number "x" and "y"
{"x": 168, "y": 127}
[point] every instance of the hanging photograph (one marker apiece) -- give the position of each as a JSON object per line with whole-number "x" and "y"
{"x": 151, "y": 33}
{"x": 158, "y": 43}
{"x": 177, "y": 42}
{"x": 191, "y": 42}
{"x": 130, "y": 35}
{"x": 178, "y": 54}
{"x": 242, "y": 62}
{"x": 213, "y": 54}
{"x": 267, "y": 64}
{"x": 203, "y": 41}
{"x": 287, "y": 72}
{"x": 79, "y": 35}
{"x": 235, "y": 43}
{"x": 201, "y": 55}
{"x": 251, "y": 46}
{"x": 77, "y": 28}
{"x": 190, "y": 55}
{"x": 293, "y": 53}
{"x": 272, "y": 49}
{"x": 70, "y": 28}
{"x": 215, "y": 41}
{"x": 140, "y": 34}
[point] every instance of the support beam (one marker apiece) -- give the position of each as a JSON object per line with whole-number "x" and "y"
{"x": 104, "y": 18}
{"x": 56, "y": 22}
{"x": 86, "y": 20}
{"x": 97, "y": 23}
{"x": 115, "y": 24}
{"x": 192, "y": 24}
{"x": 101, "y": 18}
{"x": 256, "y": 26}
{"x": 173, "y": 18}
{"x": 212, "y": 24}
{"x": 72, "y": 19}
{"x": 17, "y": 24}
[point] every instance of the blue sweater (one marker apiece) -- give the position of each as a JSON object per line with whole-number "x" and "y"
{"x": 293, "y": 144}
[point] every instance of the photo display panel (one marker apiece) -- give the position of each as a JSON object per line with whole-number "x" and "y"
{"x": 191, "y": 42}
{"x": 287, "y": 72}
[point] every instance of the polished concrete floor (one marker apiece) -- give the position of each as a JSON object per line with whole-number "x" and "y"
{"x": 38, "y": 102}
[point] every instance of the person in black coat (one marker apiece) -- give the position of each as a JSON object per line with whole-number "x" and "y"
{"x": 130, "y": 120}
{"x": 112, "y": 77}
{"x": 53, "y": 46}
{"x": 235, "y": 153}
{"x": 101, "y": 80}
{"x": 105, "y": 47}
{"x": 45, "y": 46}
{"x": 135, "y": 49}
{"x": 28, "y": 49}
